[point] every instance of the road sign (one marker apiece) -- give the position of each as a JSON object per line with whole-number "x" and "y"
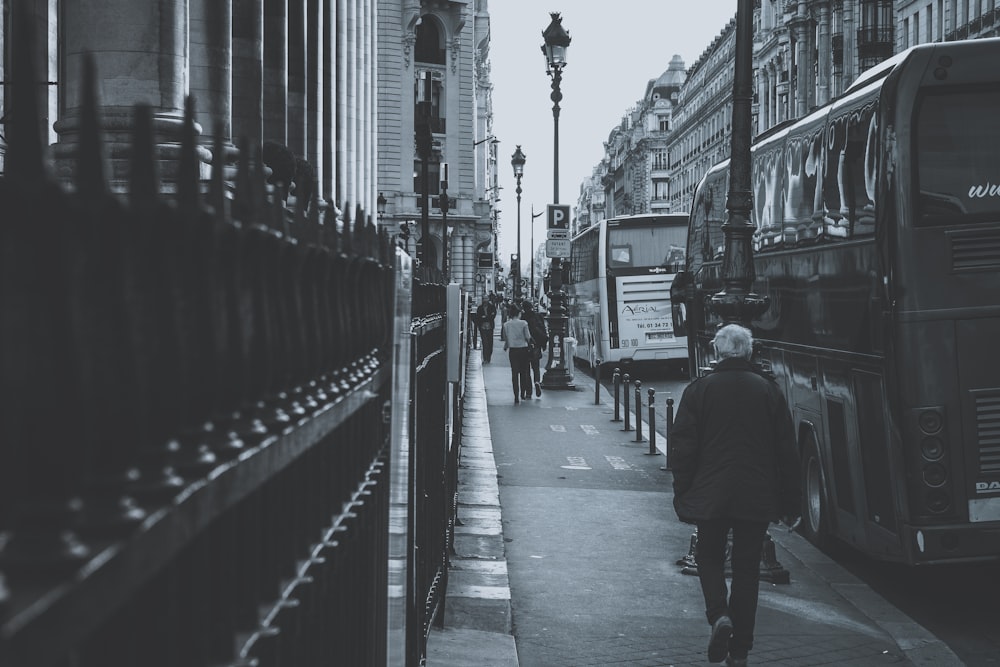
{"x": 558, "y": 234}
{"x": 557, "y": 248}
{"x": 558, "y": 216}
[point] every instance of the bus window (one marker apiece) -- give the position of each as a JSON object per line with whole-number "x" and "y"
{"x": 956, "y": 156}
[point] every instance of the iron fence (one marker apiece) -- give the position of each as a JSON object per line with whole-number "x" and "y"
{"x": 195, "y": 423}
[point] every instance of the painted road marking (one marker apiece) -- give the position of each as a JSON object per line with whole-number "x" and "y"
{"x": 558, "y": 428}
{"x": 618, "y": 463}
{"x": 576, "y": 463}
{"x": 589, "y": 429}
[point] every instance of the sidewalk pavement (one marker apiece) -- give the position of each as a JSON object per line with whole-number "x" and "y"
{"x": 824, "y": 616}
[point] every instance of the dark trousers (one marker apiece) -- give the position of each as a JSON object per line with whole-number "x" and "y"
{"x": 487, "y": 344}
{"x": 520, "y": 376}
{"x": 741, "y": 605}
{"x": 533, "y": 362}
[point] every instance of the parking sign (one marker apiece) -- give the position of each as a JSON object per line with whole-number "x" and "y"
{"x": 558, "y": 216}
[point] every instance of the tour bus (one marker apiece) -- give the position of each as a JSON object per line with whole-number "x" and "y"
{"x": 877, "y": 244}
{"x": 619, "y": 289}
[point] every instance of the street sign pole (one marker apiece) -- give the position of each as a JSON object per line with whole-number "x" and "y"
{"x": 557, "y": 247}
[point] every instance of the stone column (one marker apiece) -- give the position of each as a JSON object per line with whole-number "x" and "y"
{"x": 297, "y": 77}
{"x": 140, "y": 49}
{"x": 799, "y": 27}
{"x": 825, "y": 51}
{"x": 248, "y": 74}
{"x": 764, "y": 99}
{"x": 211, "y": 30}
{"x": 275, "y": 105}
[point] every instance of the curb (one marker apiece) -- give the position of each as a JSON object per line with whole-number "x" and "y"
{"x": 477, "y": 614}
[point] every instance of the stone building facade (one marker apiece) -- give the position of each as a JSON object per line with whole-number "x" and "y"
{"x": 446, "y": 43}
{"x": 805, "y": 53}
{"x": 296, "y": 75}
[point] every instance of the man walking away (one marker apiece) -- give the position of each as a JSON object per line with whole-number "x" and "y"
{"x": 735, "y": 467}
{"x": 486, "y": 315}
{"x": 536, "y": 325}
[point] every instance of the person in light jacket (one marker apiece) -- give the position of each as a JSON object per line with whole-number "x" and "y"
{"x": 516, "y": 339}
{"x": 735, "y": 467}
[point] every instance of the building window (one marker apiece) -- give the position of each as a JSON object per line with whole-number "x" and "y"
{"x": 428, "y": 48}
{"x": 664, "y": 123}
{"x": 661, "y": 189}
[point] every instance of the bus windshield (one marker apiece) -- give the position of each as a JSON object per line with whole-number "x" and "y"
{"x": 956, "y": 148}
{"x": 639, "y": 247}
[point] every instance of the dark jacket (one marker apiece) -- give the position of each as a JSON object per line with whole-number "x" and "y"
{"x": 733, "y": 447}
{"x": 536, "y": 325}
{"x": 485, "y": 315}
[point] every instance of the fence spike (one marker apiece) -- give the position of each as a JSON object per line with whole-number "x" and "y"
{"x": 89, "y": 159}
{"x": 25, "y": 160}
{"x": 242, "y": 201}
{"x": 346, "y": 246}
{"x": 187, "y": 177}
{"x": 258, "y": 185}
{"x": 314, "y": 222}
{"x": 144, "y": 182}
{"x": 217, "y": 186}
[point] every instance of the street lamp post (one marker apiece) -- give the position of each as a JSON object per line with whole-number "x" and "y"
{"x": 557, "y": 374}
{"x": 444, "y": 204}
{"x": 517, "y": 162}
{"x": 424, "y": 140}
{"x": 736, "y": 303}
{"x": 531, "y": 256}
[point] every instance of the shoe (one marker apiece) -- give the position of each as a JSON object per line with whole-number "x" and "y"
{"x": 735, "y": 662}
{"x": 538, "y": 389}
{"x": 718, "y": 644}
{"x": 516, "y": 400}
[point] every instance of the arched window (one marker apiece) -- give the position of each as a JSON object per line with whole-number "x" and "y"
{"x": 429, "y": 48}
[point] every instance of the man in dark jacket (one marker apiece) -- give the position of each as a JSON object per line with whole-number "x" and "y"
{"x": 486, "y": 315}
{"x": 735, "y": 467}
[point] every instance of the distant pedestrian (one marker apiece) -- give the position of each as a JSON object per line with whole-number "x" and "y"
{"x": 536, "y": 325}
{"x": 486, "y": 315}
{"x": 735, "y": 467}
{"x": 516, "y": 339}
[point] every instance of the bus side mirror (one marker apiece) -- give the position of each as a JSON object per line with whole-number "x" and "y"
{"x": 679, "y": 295}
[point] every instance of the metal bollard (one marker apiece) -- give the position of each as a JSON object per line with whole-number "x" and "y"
{"x": 616, "y": 381}
{"x": 597, "y": 381}
{"x": 638, "y": 411}
{"x": 652, "y": 420}
{"x": 667, "y": 428}
{"x": 628, "y": 414}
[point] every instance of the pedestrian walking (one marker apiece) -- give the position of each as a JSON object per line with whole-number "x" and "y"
{"x": 517, "y": 340}
{"x": 735, "y": 468}
{"x": 486, "y": 315}
{"x": 536, "y": 325}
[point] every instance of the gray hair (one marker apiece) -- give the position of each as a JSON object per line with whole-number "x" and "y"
{"x": 733, "y": 340}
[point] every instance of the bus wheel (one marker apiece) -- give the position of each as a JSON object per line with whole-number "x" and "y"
{"x": 815, "y": 517}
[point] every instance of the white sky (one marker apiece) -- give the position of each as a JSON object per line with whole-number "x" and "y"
{"x": 616, "y": 48}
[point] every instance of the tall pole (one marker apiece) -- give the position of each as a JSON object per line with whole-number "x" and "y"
{"x": 557, "y": 374}
{"x": 445, "y": 204}
{"x": 424, "y": 141}
{"x": 531, "y": 257}
{"x": 517, "y": 284}
{"x": 736, "y": 303}
{"x": 517, "y": 161}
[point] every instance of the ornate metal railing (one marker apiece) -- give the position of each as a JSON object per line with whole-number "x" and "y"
{"x": 194, "y": 418}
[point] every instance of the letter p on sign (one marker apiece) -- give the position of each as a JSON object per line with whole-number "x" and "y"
{"x": 558, "y": 216}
